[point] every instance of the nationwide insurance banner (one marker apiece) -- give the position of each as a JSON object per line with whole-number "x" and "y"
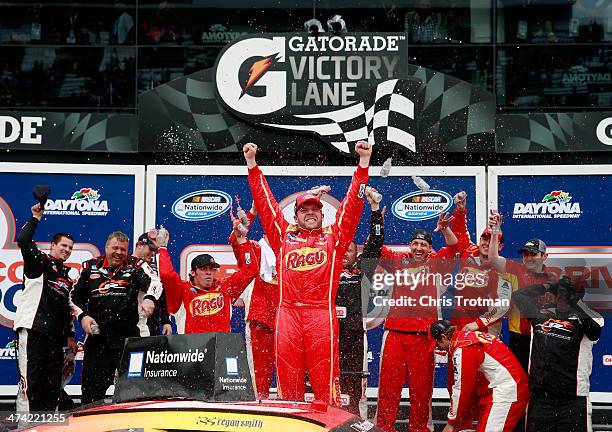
{"x": 193, "y": 203}
{"x": 566, "y": 207}
{"x": 88, "y": 201}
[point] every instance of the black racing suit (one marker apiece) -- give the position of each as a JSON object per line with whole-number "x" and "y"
{"x": 43, "y": 321}
{"x": 151, "y": 326}
{"x": 110, "y": 297}
{"x": 560, "y": 363}
{"x": 351, "y": 301}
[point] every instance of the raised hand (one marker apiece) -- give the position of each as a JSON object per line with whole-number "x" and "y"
{"x": 364, "y": 150}
{"x": 443, "y": 221}
{"x": 250, "y": 150}
{"x": 37, "y": 211}
{"x": 460, "y": 200}
{"x": 495, "y": 218}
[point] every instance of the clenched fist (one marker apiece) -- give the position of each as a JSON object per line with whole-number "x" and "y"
{"x": 364, "y": 150}
{"x": 250, "y": 150}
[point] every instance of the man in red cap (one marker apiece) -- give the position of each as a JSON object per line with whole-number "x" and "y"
{"x": 478, "y": 279}
{"x": 309, "y": 261}
{"x": 476, "y": 353}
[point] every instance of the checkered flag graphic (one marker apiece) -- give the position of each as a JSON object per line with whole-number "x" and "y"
{"x": 386, "y": 117}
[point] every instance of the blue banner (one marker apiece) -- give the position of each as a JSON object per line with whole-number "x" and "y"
{"x": 84, "y": 201}
{"x": 570, "y": 214}
{"x": 206, "y": 228}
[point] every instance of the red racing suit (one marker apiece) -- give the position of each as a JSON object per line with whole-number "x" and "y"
{"x": 505, "y": 404}
{"x": 309, "y": 264}
{"x": 207, "y": 310}
{"x": 480, "y": 281}
{"x": 261, "y": 308}
{"x": 407, "y": 349}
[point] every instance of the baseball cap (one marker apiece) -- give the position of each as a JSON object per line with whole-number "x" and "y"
{"x": 487, "y": 233}
{"x": 308, "y": 198}
{"x": 422, "y": 234}
{"x": 203, "y": 260}
{"x": 145, "y": 240}
{"x": 440, "y": 327}
{"x": 534, "y": 246}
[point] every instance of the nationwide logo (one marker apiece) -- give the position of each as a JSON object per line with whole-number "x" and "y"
{"x": 9, "y": 351}
{"x": 201, "y": 205}
{"x": 206, "y": 304}
{"x": 83, "y": 202}
{"x": 419, "y": 206}
{"x": 554, "y": 205}
{"x": 305, "y": 258}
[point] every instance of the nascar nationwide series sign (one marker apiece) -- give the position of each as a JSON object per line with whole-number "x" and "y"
{"x": 281, "y": 88}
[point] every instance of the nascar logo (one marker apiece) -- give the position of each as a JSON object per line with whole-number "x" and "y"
{"x": 206, "y": 304}
{"x": 305, "y": 258}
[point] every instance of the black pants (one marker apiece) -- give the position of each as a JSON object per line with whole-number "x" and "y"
{"x": 102, "y": 355}
{"x": 353, "y": 363}
{"x": 520, "y": 345}
{"x": 551, "y": 413}
{"x": 40, "y": 359}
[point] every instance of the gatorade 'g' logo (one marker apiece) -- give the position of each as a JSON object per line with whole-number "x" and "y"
{"x": 254, "y": 56}
{"x": 206, "y": 304}
{"x": 305, "y": 258}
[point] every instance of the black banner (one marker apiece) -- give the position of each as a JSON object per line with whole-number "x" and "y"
{"x": 35, "y": 130}
{"x": 554, "y": 132}
{"x": 205, "y": 366}
{"x": 294, "y": 92}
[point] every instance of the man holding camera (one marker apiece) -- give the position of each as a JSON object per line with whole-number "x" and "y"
{"x": 564, "y": 332}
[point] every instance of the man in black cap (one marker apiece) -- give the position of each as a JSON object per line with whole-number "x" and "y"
{"x": 561, "y": 359}
{"x": 43, "y": 320}
{"x": 531, "y": 271}
{"x": 207, "y": 299}
{"x": 478, "y": 353}
{"x": 150, "y": 326}
{"x": 407, "y": 352}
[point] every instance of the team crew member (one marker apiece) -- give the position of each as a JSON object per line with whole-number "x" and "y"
{"x": 480, "y": 276}
{"x": 407, "y": 350}
{"x": 351, "y": 301}
{"x": 207, "y": 300}
{"x": 106, "y": 303}
{"x": 150, "y": 326}
{"x": 532, "y": 271}
{"x": 309, "y": 260}
{"x": 561, "y": 356}
{"x": 479, "y": 280}
{"x": 43, "y": 320}
{"x": 478, "y": 352}
{"x": 261, "y": 306}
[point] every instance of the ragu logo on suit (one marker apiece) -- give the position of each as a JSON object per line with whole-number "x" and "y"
{"x": 206, "y": 304}
{"x": 305, "y": 258}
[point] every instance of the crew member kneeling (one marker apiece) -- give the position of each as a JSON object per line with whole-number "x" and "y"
{"x": 474, "y": 352}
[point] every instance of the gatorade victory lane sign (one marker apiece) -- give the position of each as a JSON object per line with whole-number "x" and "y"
{"x": 340, "y": 88}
